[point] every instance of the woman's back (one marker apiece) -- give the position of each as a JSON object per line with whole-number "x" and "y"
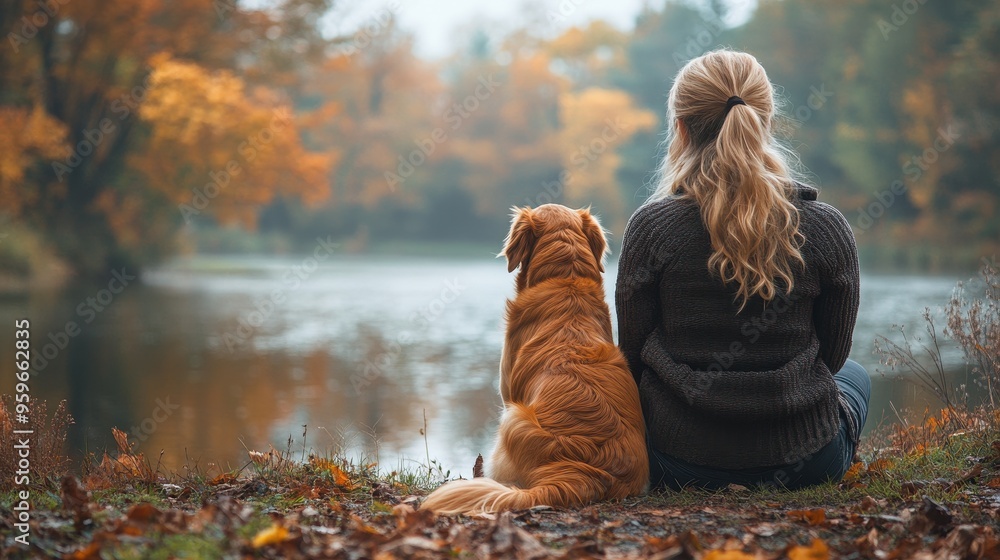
{"x": 737, "y": 295}
{"x": 699, "y": 351}
{"x": 701, "y": 316}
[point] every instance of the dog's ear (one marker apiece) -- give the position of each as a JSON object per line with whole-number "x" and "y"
{"x": 594, "y": 233}
{"x": 521, "y": 239}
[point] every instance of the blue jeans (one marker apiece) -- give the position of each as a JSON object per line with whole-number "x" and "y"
{"x": 828, "y": 464}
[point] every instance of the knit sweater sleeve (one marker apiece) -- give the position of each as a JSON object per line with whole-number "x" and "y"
{"x": 835, "y": 311}
{"x": 636, "y": 292}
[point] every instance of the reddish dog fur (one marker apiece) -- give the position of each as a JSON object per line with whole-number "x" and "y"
{"x": 572, "y": 430}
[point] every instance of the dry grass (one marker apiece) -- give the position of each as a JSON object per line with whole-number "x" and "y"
{"x": 48, "y": 459}
{"x": 974, "y": 322}
{"x": 972, "y": 319}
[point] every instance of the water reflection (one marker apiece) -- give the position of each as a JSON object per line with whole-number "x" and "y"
{"x": 204, "y": 358}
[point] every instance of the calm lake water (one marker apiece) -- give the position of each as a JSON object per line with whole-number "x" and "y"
{"x": 206, "y": 358}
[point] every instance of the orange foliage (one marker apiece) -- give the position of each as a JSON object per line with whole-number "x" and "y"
{"x": 595, "y": 122}
{"x": 375, "y": 111}
{"x": 216, "y": 147}
{"x": 39, "y": 137}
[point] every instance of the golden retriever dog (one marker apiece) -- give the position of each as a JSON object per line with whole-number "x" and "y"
{"x": 572, "y": 430}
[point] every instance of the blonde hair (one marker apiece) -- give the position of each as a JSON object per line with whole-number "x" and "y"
{"x": 728, "y": 161}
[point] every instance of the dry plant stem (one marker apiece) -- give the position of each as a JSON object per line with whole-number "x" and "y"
{"x": 903, "y": 356}
{"x": 972, "y": 321}
{"x": 427, "y": 449}
{"x": 975, "y": 325}
{"x": 305, "y": 430}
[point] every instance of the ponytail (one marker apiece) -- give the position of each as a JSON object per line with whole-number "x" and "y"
{"x": 725, "y": 158}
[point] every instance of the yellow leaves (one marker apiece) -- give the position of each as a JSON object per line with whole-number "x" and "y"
{"x": 186, "y": 101}
{"x": 588, "y": 112}
{"x": 818, "y": 550}
{"x": 595, "y": 122}
{"x": 275, "y": 534}
{"x": 217, "y": 148}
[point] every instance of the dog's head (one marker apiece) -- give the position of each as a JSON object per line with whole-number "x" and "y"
{"x": 553, "y": 241}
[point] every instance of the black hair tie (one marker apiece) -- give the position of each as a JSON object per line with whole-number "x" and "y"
{"x": 734, "y": 101}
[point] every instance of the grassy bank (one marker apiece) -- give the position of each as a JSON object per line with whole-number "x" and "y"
{"x": 932, "y": 486}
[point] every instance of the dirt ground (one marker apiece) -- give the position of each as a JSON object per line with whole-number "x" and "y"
{"x": 251, "y": 518}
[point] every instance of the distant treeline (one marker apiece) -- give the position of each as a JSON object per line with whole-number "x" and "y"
{"x": 128, "y": 123}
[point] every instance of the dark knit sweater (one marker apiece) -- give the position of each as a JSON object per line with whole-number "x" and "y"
{"x": 727, "y": 388}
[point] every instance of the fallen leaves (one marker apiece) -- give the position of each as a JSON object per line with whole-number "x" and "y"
{"x": 728, "y": 555}
{"x": 967, "y": 477}
{"x": 325, "y": 511}
{"x": 224, "y": 478}
{"x": 816, "y": 551}
{"x": 816, "y": 516}
{"x": 763, "y": 530}
{"x": 868, "y": 504}
{"x": 319, "y": 528}
{"x": 336, "y": 474}
{"x": 126, "y": 465}
{"x": 931, "y": 517}
{"x": 75, "y": 499}
{"x": 274, "y": 534}
{"x": 686, "y": 545}
{"x": 854, "y": 473}
{"x": 506, "y": 540}
{"x": 880, "y": 467}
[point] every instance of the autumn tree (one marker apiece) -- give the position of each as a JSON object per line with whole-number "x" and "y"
{"x": 87, "y": 68}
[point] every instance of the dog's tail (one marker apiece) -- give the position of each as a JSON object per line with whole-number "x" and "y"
{"x": 562, "y": 484}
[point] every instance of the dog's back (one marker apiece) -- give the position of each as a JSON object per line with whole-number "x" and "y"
{"x": 572, "y": 431}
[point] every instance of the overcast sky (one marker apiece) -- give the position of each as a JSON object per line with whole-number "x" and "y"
{"x": 438, "y": 25}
